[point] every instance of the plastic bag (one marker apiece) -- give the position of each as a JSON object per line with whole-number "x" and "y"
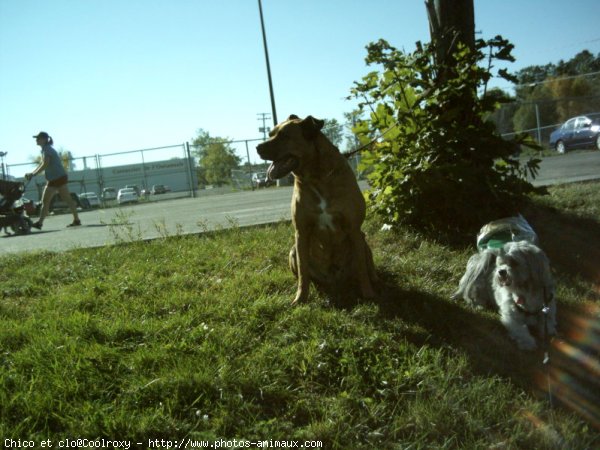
{"x": 510, "y": 229}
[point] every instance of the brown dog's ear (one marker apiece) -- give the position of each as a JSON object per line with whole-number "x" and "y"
{"x": 311, "y": 126}
{"x": 293, "y": 117}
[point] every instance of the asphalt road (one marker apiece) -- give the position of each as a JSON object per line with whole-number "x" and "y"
{"x": 156, "y": 219}
{"x": 569, "y": 168}
{"x": 209, "y": 212}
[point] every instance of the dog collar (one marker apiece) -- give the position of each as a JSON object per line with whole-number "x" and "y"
{"x": 520, "y": 304}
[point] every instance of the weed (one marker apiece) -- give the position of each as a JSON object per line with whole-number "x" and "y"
{"x": 122, "y": 229}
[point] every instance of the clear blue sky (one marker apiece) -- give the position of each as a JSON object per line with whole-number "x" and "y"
{"x": 108, "y": 75}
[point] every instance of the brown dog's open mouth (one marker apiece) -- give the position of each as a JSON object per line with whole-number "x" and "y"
{"x": 282, "y": 167}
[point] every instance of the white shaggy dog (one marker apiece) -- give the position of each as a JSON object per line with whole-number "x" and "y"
{"x": 516, "y": 279}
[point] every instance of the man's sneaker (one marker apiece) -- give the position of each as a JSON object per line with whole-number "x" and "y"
{"x": 37, "y": 225}
{"x": 76, "y": 223}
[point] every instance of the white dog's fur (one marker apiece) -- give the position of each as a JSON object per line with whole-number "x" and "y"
{"x": 517, "y": 280}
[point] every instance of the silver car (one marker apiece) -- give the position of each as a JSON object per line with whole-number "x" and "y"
{"x": 92, "y": 199}
{"x": 127, "y": 195}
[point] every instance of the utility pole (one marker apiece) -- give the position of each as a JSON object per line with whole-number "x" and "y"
{"x": 262, "y": 24}
{"x": 248, "y": 154}
{"x": 537, "y": 122}
{"x": 264, "y": 129}
{"x": 2, "y": 155}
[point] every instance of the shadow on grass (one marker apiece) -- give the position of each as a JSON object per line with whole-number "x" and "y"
{"x": 443, "y": 323}
{"x": 448, "y": 323}
{"x": 571, "y": 242}
{"x": 570, "y": 380}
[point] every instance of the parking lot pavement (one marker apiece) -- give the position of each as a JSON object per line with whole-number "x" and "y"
{"x": 209, "y": 212}
{"x": 152, "y": 220}
{"x": 569, "y": 168}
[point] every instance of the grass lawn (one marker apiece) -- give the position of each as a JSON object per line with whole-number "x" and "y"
{"x": 192, "y": 337}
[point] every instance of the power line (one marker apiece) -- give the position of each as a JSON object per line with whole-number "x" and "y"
{"x": 535, "y": 83}
{"x": 264, "y": 36}
{"x": 591, "y": 40}
{"x": 569, "y": 77}
{"x": 552, "y": 100}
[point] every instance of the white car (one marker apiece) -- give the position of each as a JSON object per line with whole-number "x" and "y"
{"x": 260, "y": 179}
{"x": 92, "y": 199}
{"x": 109, "y": 194}
{"x": 127, "y": 195}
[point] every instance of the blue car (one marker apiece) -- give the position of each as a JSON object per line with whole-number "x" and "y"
{"x": 578, "y": 132}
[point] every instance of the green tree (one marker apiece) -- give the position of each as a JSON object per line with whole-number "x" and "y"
{"x": 529, "y": 76}
{"x": 574, "y": 96}
{"x": 334, "y": 131}
{"x": 216, "y": 158}
{"x": 558, "y": 91}
{"x": 583, "y": 62}
{"x": 539, "y": 97}
{"x": 437, "y": 164}
{"x": 352, "y": 119}
{"x": 502, "y": 116}
{"x": 66, "y": 157}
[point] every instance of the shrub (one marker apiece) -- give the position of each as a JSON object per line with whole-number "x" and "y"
{"x": 438, "y": 164}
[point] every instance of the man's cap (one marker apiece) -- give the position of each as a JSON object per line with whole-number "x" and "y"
{"x": 42, "y": 134}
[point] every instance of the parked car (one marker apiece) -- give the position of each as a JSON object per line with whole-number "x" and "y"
{"x": 127, "y": 195}
{"x": 109, "y": 194}
{"x": 261, "y": 179}
{"x": 135, "y": 187}
{"x": 158, "y": 189}
{"x": 92, "y": 198}
{"x": 578, "y": 132}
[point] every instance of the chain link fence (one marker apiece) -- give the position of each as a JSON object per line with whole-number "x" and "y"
{"x": 155, "y": 173}
{"x": 161, "y": 172}
{"x": 539, "y": 118}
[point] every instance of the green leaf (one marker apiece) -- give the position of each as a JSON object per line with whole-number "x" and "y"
{"x": 440, "y": 165}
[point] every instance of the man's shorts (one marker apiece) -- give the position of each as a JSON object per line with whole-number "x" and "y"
{"x": 58, "y": 182}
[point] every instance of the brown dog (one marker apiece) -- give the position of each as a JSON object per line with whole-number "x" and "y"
{"x": 328, "y": 208}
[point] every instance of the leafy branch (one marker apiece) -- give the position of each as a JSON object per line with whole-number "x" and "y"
{"x": 443, "y": 166}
